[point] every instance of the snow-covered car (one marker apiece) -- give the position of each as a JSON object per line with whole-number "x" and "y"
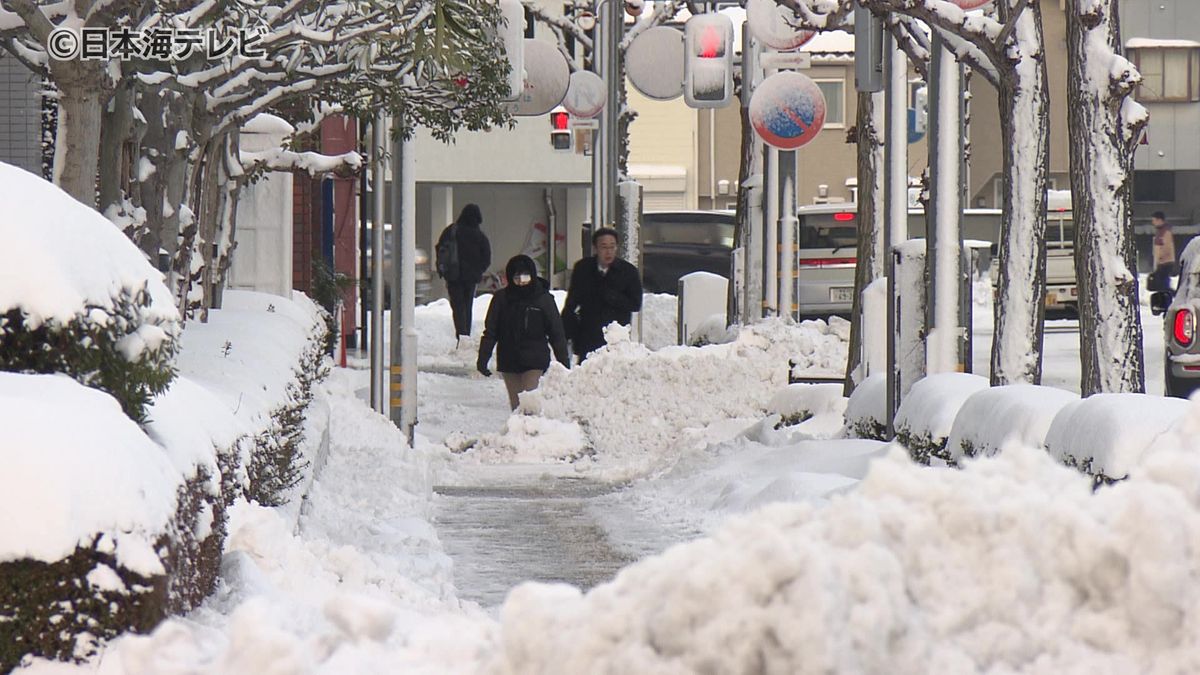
{"x": 1179, "y": 310}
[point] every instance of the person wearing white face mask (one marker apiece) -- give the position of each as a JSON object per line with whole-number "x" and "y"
{"x": 523, "y": 325}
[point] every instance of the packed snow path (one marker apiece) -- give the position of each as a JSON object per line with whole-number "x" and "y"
{"x": 501, "y": 536}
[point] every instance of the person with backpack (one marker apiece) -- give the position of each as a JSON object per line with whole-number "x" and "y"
{"x": 523, "y": 325}
{"x": 463, "y": 255}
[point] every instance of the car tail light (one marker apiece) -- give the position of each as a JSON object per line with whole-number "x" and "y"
{"x": 1185, "y": 327}
{"x": 827, "y": 262}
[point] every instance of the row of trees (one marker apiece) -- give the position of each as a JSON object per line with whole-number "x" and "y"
{"x": 153, "y": 144}
{"x": 1006, "y": 46}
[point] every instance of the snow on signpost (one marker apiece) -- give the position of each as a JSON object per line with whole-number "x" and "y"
{"x": 787, "y": 110}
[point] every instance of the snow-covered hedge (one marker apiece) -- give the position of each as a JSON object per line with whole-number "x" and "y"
{"x": 1106, "y": 435}
{"x": 105, "y": 531}
{"x": 995, "y": 417}
{"x": 926, "y": 414}
{"x": 77, "y": 297}
{"x": 866, "y": 411}
{"x": 800, "y": 403}
{"x": 261, "y": 355}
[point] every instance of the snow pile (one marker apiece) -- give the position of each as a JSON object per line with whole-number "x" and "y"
{"x": 995, "y": 417}
{"x": 530, "y": 439}
{"x": 70, "y": 478}
{"x": 659, "y": 317}
{"x": 926, "y": 414}
{"x": 1106, "y": 435}
{"x": 192, "y": 424}
{"x": 62, "y": 260}
{"x": 634, "y": 404}
{"x": 1011, "y": 565}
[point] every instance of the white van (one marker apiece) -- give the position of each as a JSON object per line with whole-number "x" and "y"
{"x": 1062, "y": 291}
{"x": 828, "y": 250}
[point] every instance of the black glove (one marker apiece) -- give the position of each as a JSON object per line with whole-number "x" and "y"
{"x": 482, "y": 366}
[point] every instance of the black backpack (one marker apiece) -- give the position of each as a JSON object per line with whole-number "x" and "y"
{"x": 447, "y": 254}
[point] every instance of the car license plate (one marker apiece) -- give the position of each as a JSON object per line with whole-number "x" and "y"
{"x": 841, "y": 294}
{"x": 1051, "y": 299}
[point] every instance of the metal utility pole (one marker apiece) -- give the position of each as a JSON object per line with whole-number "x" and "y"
{"x": 606, "y": 56}
{"x": 896, "y": 202}
{"x": 786, "y": 170}
{"x": 375, "y": 344}
{"x": 402, "y": 402}
{"x": 944, "y": 238}
{"x": 771, "y": 231}
{"x": 751, "y": 300}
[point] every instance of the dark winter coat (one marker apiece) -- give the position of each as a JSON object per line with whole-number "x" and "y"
{"x": 523, "y": 324}
{"x": 596, "y": 300}
{"x": 474, "y": 251}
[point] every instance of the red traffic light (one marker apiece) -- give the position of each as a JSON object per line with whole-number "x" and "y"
{"x": 559, "y": 120}
{"x": 843, "y": 217}
{"x": 711, "y": 43}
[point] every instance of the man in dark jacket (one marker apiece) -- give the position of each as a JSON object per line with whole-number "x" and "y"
{"x": 523, "y": 324}
{"x": 604, "y": 288}
{"x": 474, "y": 258}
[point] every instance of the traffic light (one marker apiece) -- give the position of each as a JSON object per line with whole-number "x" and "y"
{"x": 708, "y": 66}
{"x": 512, "y": 37}
{"x": 560, "y": 132}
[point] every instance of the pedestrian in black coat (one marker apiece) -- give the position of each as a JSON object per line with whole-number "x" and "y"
{"x": 604, "y": 288}
{"x": 474, "y": 258}
{"x": 523, "y": 324}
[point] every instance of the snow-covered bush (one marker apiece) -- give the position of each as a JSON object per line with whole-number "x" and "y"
{"x": 799, "y": 403}
{"x": 998, "y": 416}
{"x": 77, "y": 297}
{"x": 1106, "y": 435}
{"x": 261, "y": 355}
{"x": 926, "y": 414}
{"x": 866, "y": 411}
{"x": 105, "y": 530}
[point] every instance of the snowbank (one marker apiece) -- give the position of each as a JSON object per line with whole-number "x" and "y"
{"x": 61, "y": 259}
{"x": 634, "y": 404}
{"x": 660, "y": 315}
{"x": 995, "y": 417}
{"x": 1011, "y": 565}
{"x": 1106, "y": 435}
{"x": 816, "y": 409}
{"x": 69, "y": 479}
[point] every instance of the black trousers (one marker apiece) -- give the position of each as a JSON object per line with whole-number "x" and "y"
{"x": 462, "y": 297}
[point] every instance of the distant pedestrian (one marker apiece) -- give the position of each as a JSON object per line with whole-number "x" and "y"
{"x": 604, "y": 288}
{"x": 523, "y": 325}
{"x": 463, "y": 255}
{"x": 1165, "y": 265}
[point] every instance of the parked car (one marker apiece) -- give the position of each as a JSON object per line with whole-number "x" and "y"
{"x": 424, "y": 273}
{"x": 1179, "y": 309}
{"x": 675, "y": 243}
{"x": 1062, "y": 291}
{"x": 828, "y": 252}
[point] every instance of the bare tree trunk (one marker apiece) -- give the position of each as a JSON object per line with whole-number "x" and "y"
{"x": 871, "y": 247}
{"x": 1025, "y": 139}
{"x": 748, "y": 165}
{"x": 115, "y": 159}
{"x": 82, "y": 94}
{"x": 1105, "y": 125}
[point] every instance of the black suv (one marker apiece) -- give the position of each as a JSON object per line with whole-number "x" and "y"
{"x": 675, "y": 243}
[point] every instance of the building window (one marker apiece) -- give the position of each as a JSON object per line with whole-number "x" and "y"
{"x": 1154, "y": 186}
{"x": 835, "y": 102}
{"x": 1168, "y": 73}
